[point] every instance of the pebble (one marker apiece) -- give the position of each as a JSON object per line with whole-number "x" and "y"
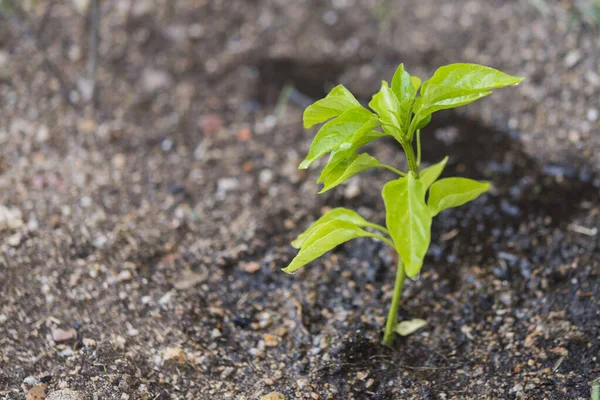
{"x": 251, "y": 267}
{"x": 352, "y": 189}
{"x": 88, "y": 342}
{"x": 211, "y": 124}
{"x": 270, "y": 340}
{"x": 274, "y": 396}
{"x": 174, "y": 355}
{"x": 154, "y": 80}
{"x": 244, "y": 134}
{"x": 215, "y": 333}
{"x": 65, "y": 394}
{"x": 224, "y": 186}
{"x": 10, "y": 218}
{"x": 36, "y": 393}
{"x": 592, "y": 115}
{"x": 67, "y": 352}
{"x": 61, "y": 335}
{"x": 265, "y": 177}
{"x": 572, "y": 58}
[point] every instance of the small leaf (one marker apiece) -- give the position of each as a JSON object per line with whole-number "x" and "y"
{"x": 405, "y": 87}
{"x": 473, "y": 77}
{"x": 444, "y": 97}
{"x": 453, "y": 192}
{"x": 409, "y": 327}
{"x": 347, "y": 169}
{"x": 326, "y": 237}
{"x": 337, "y": 214}
{"x": 431, "y": 173}
{"x": 456, "y": 85}
{"x": 387, "y": 106}
{"x": 337, "y": 101}
{"x": 339, "y": 156}
{"x": 403, "y": 84}
{"x": 408, "y": 220}
{"x": 353, "y": 122}
{"x": 423, "y": 122}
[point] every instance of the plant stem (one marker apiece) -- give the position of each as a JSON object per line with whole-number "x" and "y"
{"x": 418, "y": 147}
{"x": 394, "y": 169}
{"x": 392, "y": 319}
{"x": 410, "y": 157}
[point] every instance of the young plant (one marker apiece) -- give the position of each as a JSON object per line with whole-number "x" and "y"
{"x": 400, "y": 111}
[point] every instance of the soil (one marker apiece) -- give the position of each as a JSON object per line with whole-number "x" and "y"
{"x": 151, "y": 227}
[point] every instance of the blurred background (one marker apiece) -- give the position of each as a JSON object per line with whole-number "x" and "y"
{"x": 149, "y": 188}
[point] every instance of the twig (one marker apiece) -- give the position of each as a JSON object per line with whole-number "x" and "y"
{"x": 93, "y": 55}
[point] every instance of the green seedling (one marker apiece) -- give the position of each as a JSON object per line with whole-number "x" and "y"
{"x": 412, "y": 200}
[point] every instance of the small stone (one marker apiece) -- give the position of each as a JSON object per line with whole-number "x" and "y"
{"x": 251, "y": 267}
{"x": 15, "y": 240}
{"x": 166, "y": 145}
{"x": 518, "y": 387}
{"x": 36, "y": 393}
{"x": 211, "y": 124}
{"x": 369, "y": 383}
{"x": 265, "y": 177}
{"x": 174, "y": 355}
{"x": 65, "y": 394}
{"x": 61, "y": 335}
{"x": 86, "y": 125}
{"x": 154, "y": 80}
{"x": 133, "y": 332}
{"x": 274, "y": 396}
{"x": 189, "y": 279}
{"x": 224, "y": 186}
{"x": 352, "y": 190}
{"x": 67, "y": 352}
{"x": 3, "y": 319}
{"x": 592, "y": 115}
{"x": 88, "y": 342}
{"x": 124, "y": 276}
{"x": 572, "y": 58}
{"x": 30, "y": 380}
{"x": 10, "y": 218}
{"x": 362, "y": 375}
{"x": 119, "y": 161}
{"x": 81, "y": 6}
{"x": 244, "y": 134}
{"x": 215, "y": 333}
{"x": 270, "y": 340}
{"x": 255, "y": 352}
{"x": 124, "y": 396}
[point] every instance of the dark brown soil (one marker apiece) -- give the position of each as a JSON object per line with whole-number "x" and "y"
{"x": 156, "y": 222}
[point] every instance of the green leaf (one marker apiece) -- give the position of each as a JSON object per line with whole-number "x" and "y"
{"x": 431, "y": 173}
{"x": 456, "y": 85}
{"x": 408, "y": 220}
{"x": 347, "y": 169}
{"x": 326, "y": 237}
{"x": 337, "y": 101}
{"x": 347, "y": 151}
{"x": 403, "y": 84}
{"x": 386, "y": 105}
{"x": 423, "y": 122}
{"x": 444, "y": 97}
{"x": 405, "y": 87}
{"x": 472, "y": 77}
{"x": 352, "y": 123}
{"x": 337, "y": 214}
{"x": 409, "y": 327}
{"x": 454, "y": 192}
